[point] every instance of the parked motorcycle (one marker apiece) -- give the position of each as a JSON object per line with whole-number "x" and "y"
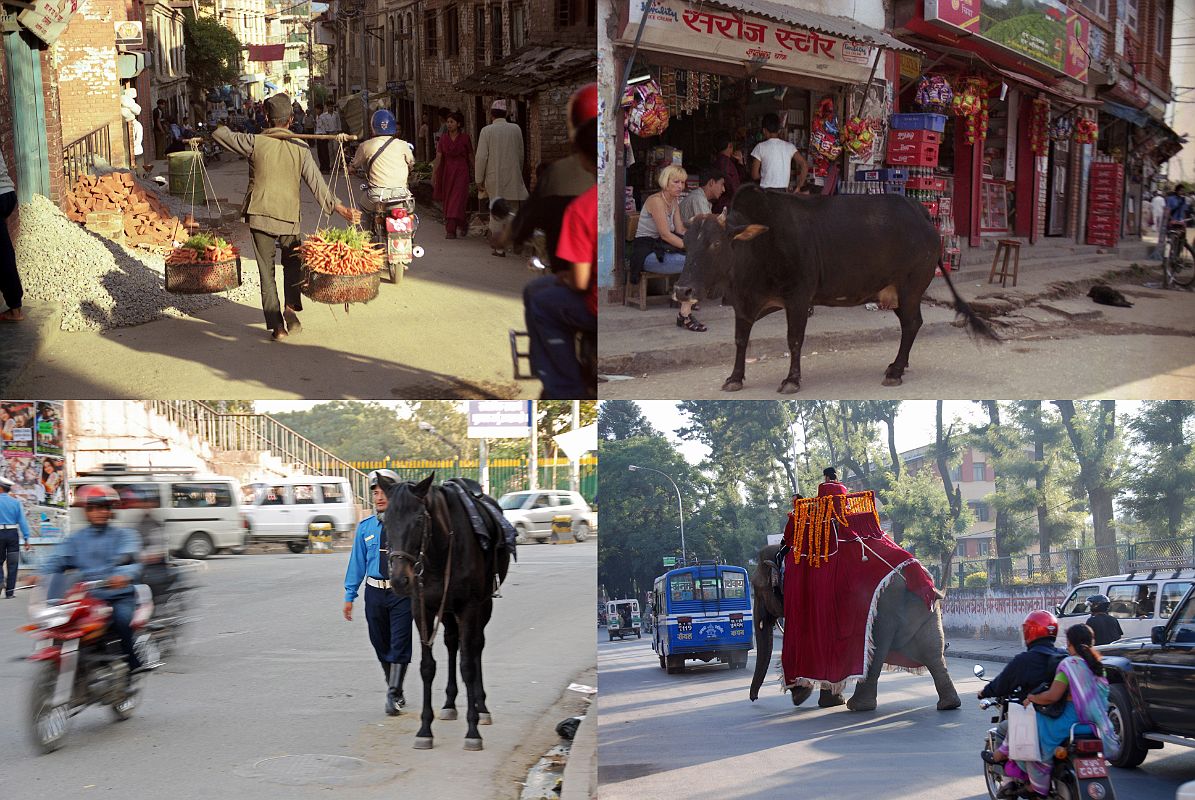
{"x": 1079, "y": 769}
{"x": 394, "y": 222}
{"x": 81, "y": 662}
{"x": 207, "y": 145}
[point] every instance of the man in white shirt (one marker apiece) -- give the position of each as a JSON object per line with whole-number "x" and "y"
{"x": 326, "y": 123}
{"x": 499, "y": 166}
{"x": 384, "y": 159}
{"x": 771, "y": 160}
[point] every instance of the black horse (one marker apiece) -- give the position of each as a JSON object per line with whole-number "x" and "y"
{"x": 437, "y": 561}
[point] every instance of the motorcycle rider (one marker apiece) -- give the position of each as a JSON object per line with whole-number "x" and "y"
{"x": 384, "y": 159}
{"x": 104, "y": 552}
{"x": 1024, "y": 674}
{"x": 1105, "y": 626}
{"x": 387, "y": 615}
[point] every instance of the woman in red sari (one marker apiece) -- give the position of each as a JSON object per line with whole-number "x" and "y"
{"x": 455, "y": 151}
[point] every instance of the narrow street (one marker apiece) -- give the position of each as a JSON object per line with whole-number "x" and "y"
{"x": 696, "y": 736}
{"x": 275, "y": 684}
{"x": 442, "y": 332}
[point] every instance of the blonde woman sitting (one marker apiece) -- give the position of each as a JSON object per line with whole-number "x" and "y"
{"x": 659, "y": 244}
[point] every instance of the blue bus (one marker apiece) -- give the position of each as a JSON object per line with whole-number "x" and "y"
{"x": 702, "y": 612}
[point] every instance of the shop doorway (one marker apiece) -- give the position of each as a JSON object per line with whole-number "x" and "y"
{"x": 1058, "y": 193}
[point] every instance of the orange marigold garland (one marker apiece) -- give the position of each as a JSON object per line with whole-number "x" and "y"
{"x": 813, "y": 518}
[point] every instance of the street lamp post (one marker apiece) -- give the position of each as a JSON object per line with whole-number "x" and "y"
{"x": 679, "y": 510}
{"x": 430, "y": 428}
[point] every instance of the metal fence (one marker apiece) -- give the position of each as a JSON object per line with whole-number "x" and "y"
{"x": 1074, "y": 565}
{"x": 79, "y": 157}
{"x": 505, "y": 474}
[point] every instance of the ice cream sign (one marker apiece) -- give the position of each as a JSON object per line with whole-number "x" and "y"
{"x": 711, "y": 32}
{"x": 1045, "y": 31}
{"x": 47, "y": 19}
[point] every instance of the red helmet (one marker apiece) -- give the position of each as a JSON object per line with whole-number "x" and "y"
{"x": 96, "y": 495}
{"x": 582, "y": 107}
{"x": 1039, "y": 625}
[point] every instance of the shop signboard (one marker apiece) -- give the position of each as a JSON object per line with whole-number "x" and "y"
{"x": 723, "y": 35}
{"x": 1043, "y": 31}
{"x": 47, "y": 19}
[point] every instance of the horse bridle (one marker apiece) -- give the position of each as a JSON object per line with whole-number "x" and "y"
{"x": 417, "y": 567}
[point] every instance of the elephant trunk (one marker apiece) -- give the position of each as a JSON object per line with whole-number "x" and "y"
{"x": 764, "y": 625}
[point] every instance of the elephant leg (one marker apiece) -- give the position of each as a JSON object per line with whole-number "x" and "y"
{"x": 929, "y": 647}
{"x": 800, "y": 694}
{"x": 883, "y": 632}
{"x": 827, "y": 698}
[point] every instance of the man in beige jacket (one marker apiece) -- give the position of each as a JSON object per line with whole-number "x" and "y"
{"x": 277, "y": 164}
{"x": 500, "y": 165}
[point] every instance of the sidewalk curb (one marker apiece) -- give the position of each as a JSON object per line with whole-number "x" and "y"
{"x": 973, "y": 656}
{"x": 25, "y": 341}
{"x": 580, "y": 771}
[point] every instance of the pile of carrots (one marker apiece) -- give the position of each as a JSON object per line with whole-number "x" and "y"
{"x": 200, "y": 249}
{"x": 341, "y": 251}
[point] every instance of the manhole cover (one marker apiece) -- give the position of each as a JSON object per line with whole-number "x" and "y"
{"x": 316, "y": 769}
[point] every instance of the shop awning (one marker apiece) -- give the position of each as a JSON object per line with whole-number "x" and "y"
{"x": 1034, "y": 84}
{"x": 529, "y": 69}
{"x": 1138, "y": 118}
{"x": 272, "y": 87}
{"x": 842, "y": 27}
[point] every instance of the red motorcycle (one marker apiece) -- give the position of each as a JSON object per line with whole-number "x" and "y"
{"x": 81, "y": 662}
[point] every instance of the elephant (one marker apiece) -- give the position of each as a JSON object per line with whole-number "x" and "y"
{"x": 902, "y": 623}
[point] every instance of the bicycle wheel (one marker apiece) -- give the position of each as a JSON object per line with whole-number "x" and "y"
{"x": 1182, "y": 265}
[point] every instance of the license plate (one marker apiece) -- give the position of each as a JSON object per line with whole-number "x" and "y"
{"x": 1090, "y": 768}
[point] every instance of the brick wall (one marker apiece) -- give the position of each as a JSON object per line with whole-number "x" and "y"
{"x": 84, "y": 58}
{"x": 53, "y": 111}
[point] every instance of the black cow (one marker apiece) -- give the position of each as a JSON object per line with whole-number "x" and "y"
{"x": 782, "y": 251}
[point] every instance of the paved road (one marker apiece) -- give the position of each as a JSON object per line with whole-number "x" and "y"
{"x": 441, "y": 333}
{"x": 696, "y": 736}
{"x": 276, "y": 671}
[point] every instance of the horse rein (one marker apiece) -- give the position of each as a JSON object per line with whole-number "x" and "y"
{"x": 417, "y": 567}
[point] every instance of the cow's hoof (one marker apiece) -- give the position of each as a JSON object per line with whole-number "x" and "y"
{"x": 949, "y": 704}
{"x": 789, "y": 387}
{"x": 830, "y": 700}
{"x": 423, "y": 743}
{"x": 801, "y": 694}
{"x": 855, "y": 704}
{"x": 889, "y": 380}
{"x": 732, "y": 386}
{"x": 448, "y": 713}
{"x": 473, "y": 744}
{"x": 483, "y": 718}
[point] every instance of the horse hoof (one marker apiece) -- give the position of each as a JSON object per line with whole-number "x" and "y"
{"x": 423, "y": 743}
{"x": 732, "y": 386}
{"x": 890, "y": 381}
{"x": 473, "y": 744}
{"x": 789, "y": 387}
{"x": 448, "y": 713}
{"x": 484, "y": 718}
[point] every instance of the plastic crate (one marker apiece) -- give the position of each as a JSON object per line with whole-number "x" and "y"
{"x": 880, "y": 175}
{"x": 918, "y": 122}
{"x": 910, "y": 155}
{"x": 894, "y": 187}
{"x": 914, "y": 137}
{"x": 927, "y": 184}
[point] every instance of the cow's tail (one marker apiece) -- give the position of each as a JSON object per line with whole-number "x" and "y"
{"x": 976, "y": 325}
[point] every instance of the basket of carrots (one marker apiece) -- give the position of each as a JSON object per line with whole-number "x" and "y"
{"x": 341, "y": 265}
{"x": 203, "y": 264}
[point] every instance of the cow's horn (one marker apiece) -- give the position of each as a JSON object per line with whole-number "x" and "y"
{"x": 745, "y": 233}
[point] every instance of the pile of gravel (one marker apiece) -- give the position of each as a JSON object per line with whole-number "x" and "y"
{"x": 99, "y": 283}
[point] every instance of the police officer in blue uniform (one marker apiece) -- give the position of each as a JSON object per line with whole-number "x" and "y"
{"x": 13, "y": 526}
{"x": 387, "y": 615}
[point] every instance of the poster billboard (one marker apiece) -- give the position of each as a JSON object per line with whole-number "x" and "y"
{"x": 32, "y": 456}
{"x": 16, "y": 427}
{"x": 1044, "y": 31}
{"x": 48, "y": 429}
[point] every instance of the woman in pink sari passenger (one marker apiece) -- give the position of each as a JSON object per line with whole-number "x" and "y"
{"x": 451, "y": 180}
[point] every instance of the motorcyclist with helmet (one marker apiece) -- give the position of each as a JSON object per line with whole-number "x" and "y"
{"x": 1105, "y": 626}
{"x": 387, "y": 615}
{"x": 103, "y": 552}
{"x": 385, "y": 160}
{"x": 1025, "y": 674}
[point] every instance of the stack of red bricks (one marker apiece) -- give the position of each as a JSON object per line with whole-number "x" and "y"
{"x": 144, "y": 220}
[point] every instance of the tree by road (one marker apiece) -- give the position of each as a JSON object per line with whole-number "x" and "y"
{"x": 213, "y": 52}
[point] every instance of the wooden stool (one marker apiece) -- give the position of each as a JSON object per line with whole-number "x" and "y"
{"x": 1010, "y": 248}
{"x": 640, "y": 299}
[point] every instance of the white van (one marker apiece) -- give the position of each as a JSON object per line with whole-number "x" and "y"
{"x": 198, "y": 513}
{"x": 1139, "y": 600}
{"x": 622, "y": 619}
{"x": 287, "y": 510}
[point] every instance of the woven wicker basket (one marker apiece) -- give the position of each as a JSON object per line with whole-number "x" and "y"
{"x": 203, "y": 277}
{"x": 340, "y": 289}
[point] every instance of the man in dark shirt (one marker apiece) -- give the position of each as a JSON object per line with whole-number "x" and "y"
{"x": 1103, "y": 625}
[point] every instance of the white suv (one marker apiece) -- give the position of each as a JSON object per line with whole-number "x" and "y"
{"x": 288, "y": 509}
{"x": 531, "y": 513}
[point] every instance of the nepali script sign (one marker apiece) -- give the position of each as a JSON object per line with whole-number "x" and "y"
{"x": 47, "y": 19}
{"x": 499, "y": 419}
{"x": 723, "y": 35}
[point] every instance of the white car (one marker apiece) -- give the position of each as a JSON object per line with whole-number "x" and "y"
{"x": 531, "y": 513}
{"x": 287, "y": 510}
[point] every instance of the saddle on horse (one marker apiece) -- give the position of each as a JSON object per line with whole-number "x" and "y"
{"x": 490, "y": 526}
